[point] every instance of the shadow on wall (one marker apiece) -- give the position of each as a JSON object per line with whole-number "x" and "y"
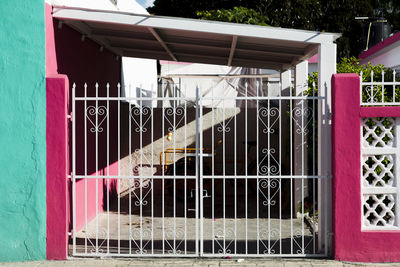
{"x": 84, "y": 62}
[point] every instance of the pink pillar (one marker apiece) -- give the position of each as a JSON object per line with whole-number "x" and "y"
{"x": 350, "y": 242}
{"x": 57, "y": 166}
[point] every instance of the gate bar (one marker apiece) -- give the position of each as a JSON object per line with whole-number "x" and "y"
{"x": 73, "y": 170}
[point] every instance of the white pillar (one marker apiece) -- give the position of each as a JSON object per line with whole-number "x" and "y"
{"x": 300, "y": 117}
{"x": 286, "y": 81}
{"x": 326, "y": 68}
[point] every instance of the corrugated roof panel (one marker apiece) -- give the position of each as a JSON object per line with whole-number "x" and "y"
{"x": 189, "y": 40}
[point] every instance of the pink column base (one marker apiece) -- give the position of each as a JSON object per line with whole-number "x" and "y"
{"x": 350, "y": 242}
{"x": 57, "y": 166}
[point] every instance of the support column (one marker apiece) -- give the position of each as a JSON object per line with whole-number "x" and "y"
{"x": 300, "y": 116}
{"x": 326, "y": 68}
{"x": 286, "y": 81}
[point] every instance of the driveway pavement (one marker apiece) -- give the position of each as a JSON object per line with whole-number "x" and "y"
{"x": 196, "y": 263}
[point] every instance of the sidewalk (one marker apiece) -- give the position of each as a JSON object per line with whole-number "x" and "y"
{"x": 196, "y": 263}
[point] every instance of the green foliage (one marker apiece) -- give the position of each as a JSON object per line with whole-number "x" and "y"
{"x": 237, "y": 15}
{"x": 308, "y": 207}
{"x": 312, "y": 84}
{"x": 376, "y": 72}
{"x": 305, "y": 14}
{"x": 188, "y": 8}
{"x": 320, "y": 15}
{"x": 352, "y": 65}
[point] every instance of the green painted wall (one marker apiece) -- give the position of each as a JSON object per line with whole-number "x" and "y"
{"x": 22, "y": 131}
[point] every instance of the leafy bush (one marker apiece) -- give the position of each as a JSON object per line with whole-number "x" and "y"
{"x": 378, "y": 72}
{"x": 237, "y": 15}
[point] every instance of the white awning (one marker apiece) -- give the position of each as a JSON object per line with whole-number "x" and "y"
{"x": 199, "y": 41}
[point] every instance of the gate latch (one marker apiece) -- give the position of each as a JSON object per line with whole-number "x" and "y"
{"x": 193, "y": 193}
{"x": 205, "y": 194}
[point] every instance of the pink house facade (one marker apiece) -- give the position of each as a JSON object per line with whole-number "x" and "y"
{"x": 385, "y": 53}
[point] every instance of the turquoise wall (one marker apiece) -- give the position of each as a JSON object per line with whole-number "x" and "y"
{"x": 22, "y": 131}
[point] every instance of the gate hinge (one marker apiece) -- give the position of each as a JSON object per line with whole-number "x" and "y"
{"x": 69, "y": 176}
{"x": 69, "y": 116}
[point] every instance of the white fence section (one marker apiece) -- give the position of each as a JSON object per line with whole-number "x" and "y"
{"x": 195, "y": 173}
{"x": 380, "y": 173}
{"x": 384, "y": 92}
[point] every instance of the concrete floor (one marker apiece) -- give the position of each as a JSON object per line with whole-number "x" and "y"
{"x": 180, "y": 233}
{"x": 154, "y": 227}
{"x": 162, "y": 224}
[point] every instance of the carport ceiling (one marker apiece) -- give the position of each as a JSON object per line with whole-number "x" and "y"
{"x": 188, "y": 40}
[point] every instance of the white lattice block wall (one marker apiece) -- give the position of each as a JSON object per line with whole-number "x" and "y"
{"x": 380, "y": 185}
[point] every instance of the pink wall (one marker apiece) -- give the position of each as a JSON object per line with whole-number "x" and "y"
{"x": 57, "y": 166}
{"x": 51, "y": 58}
{"x": 88, "y": 209}
{"x": 350, "y": 242}
{"x": 79, "y": 62}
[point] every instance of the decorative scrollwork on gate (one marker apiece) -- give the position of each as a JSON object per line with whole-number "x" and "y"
{"x": 140, "y": 239}
{"x": 224, "y": 119}
{"x": 101, "y": 113}
{"x": 174, "y": 233}
{"x": 223, "y": 128}
{"x": 269, "y": 188}
{"x": 268, "y": 113}
{"x": 227, "y": 233}
{"x": 177, "y": 114}
{"x": 273, "y": 235}
{"x": 302, "y": 117}
{"x": 371, "y": 92}
{"x": 268, "y": 164}
{"x": 302, "y": 242}
{"x": 144, "y": 187}
{"x": 141, "y": 161}
{"x": 101, "y": 235}
{"x": 140, "y": 116}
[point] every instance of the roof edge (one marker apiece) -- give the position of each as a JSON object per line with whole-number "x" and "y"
{"x": 326, "y": 35}
{"x": 380, "y": 46}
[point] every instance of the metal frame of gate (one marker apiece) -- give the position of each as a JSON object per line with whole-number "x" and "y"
{"x": 137, "y": 209}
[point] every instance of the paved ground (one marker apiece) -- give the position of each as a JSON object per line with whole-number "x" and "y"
{"x": 196, "y": 263}
{"x": 185, "y": 227}
{"x": 152, "y": 234}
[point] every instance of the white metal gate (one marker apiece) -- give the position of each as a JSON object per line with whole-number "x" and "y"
{"x": 197, "y": 173}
